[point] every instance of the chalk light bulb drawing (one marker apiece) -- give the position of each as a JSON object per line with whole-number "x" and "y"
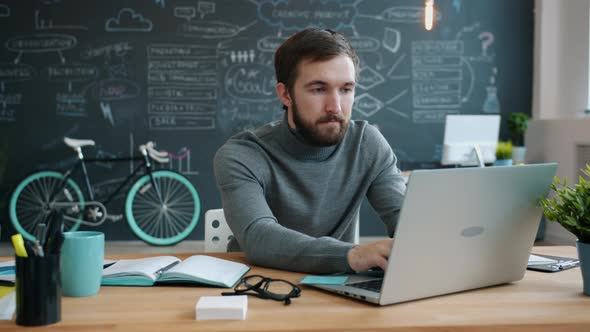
{"x": 428, "y": 14}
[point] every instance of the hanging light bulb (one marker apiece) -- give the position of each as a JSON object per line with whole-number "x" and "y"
{"x": 428, "y": 14}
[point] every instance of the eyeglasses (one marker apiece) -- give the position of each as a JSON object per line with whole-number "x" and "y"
{"x": 266, "y": 288}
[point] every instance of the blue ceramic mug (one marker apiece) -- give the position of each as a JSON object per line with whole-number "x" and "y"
{"x": 82, "y": 256}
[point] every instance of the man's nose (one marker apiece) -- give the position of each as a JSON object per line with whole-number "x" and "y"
{"x": 333, "y": 103}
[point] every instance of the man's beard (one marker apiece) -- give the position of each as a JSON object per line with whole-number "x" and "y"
{"x": 312, "y": 132}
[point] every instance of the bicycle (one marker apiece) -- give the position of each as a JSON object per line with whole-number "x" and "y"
{"x": 162, "y": 207}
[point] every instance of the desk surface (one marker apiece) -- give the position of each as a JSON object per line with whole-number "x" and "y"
{"x": 541, "y": 301}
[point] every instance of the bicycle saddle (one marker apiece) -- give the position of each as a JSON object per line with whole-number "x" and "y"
{"x": 77, "y": 143}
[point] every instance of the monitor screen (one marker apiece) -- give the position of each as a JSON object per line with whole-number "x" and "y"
{"x": 463, "y": 133}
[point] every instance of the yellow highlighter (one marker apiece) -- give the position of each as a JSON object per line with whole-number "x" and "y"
{"x": 19, "y": 245}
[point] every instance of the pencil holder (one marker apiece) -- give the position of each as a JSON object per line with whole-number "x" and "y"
{"x": 38, "y": 290}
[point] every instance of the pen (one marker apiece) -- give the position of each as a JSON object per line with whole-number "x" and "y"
{"x": 40, "y": 232}
{"x": 566, "y": 264}
{"x": 38, "y": 249}
{"x": 166, "y": 268}
{"x": 53, "y": 228}
{"x": 19, "y": 245}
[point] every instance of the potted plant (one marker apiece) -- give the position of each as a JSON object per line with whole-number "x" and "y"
{"x": 517, "y": 126}
{"x": 503, "y": 154}
{"x": 570, "y": 207}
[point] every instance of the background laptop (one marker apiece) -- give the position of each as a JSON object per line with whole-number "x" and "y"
{"x": 459, "y": 229}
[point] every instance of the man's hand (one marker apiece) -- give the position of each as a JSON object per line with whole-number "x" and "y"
{"x": 362, "y": 258}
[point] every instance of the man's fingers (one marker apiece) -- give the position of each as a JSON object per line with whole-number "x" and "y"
{"x": 384, "y": 247}
{"x": 382, "y": 263}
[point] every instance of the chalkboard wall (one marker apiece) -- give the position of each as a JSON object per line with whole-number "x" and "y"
{"x": 188, "y": 74}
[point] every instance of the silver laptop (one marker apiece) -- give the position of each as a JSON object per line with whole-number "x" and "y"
{"x": 459, "y": 229}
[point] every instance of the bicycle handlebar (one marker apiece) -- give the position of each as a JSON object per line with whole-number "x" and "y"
{"x": 145, "y": 149}
{"x": 159, "y": 156}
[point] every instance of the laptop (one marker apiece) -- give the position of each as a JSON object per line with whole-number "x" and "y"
{"x": 459, "y": 229}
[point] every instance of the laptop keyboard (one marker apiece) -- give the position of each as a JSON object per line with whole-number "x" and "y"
{"x": 371, "y": 285}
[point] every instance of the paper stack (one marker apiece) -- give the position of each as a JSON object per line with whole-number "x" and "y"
{"x": 7, "y": 303}
{"x": 222, "y": 307}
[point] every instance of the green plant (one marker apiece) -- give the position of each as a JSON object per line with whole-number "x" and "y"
{"x": 504, "y": 150}
{"x": 517, "y": 125}
{"x": 570, "y": 206}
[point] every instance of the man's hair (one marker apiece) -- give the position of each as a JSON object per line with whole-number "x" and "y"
{"x": 312, "y": 44}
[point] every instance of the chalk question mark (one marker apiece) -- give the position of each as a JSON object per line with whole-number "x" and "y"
{"x": 487, "y": 39}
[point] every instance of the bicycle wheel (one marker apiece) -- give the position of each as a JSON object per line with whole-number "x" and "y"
{"x": 165, "y": 222}
{"x": 29, "y": 203}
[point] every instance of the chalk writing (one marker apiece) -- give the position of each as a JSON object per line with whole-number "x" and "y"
{"x": 71, "y": 72}
{"x": 367, "y": 105}
{"x": 180, "y": 122}
{"x": 369, "y": 78}
{"x": 70, "y": 104}
{"x": 250, "y": 82}
{"x": 210, "y": 29}
{"x": 299, "y": 14}
{"x": 437, "y": 77}
{"x": 269, "y": 43}
{"x": 364, "y": 44}
{"x": 16, "y": 72}
{"x": 41, "y": 43}
{"x": 407, "y": 14}
{"x": 431, "y": 116}
{"x": 118, "y": 49}
{"x": 115, "y": 89}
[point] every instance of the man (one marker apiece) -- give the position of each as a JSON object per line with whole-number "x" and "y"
{"x": 291, "y": 189}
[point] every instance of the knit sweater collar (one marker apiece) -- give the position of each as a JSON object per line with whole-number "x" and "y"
{"x": 297, "y": 146}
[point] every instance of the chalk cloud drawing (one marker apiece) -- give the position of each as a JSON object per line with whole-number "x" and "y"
{"x": 128, "y": 20}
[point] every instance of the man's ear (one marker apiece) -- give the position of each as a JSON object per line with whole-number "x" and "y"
{"x": 283, "y": 94}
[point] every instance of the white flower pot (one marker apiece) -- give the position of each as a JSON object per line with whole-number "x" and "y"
{"x": 518, "y": 154}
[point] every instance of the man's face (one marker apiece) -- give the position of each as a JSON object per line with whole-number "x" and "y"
{"x": 320, "y": 101}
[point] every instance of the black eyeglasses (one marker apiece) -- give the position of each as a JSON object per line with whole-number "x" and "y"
{"x": 266, "y": 288}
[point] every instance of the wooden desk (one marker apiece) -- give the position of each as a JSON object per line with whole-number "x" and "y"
{"x": 539, "y": 302}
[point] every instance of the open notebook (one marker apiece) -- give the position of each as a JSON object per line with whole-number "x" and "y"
{"x": 198, "y": 269}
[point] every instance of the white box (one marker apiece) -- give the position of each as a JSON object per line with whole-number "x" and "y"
{"x": 222, "y": 307}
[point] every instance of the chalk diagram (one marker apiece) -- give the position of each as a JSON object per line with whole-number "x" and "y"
{"x": 68, "y": 102}
{"x": 441, "y": 76}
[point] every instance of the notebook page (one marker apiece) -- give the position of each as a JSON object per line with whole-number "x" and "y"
{"x": 144, "y": 266}
{"x": 538, "y": 260}
{"x": 209, "y": 268}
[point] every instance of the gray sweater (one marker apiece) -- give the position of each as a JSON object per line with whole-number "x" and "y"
{"x": 291, "y": 205}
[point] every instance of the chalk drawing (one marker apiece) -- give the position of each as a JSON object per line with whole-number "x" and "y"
{"x": 107, "y": 113}
{"x": 300, "y": 14}
{"x": 44, "y": 23}
{"x": 128, "y": 20}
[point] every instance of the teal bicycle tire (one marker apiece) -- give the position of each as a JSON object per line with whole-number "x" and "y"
{"x": 21, "y": 188}
{"x": 164, "y": 178}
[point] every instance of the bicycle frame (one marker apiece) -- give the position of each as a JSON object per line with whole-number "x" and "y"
{"x": 145, "y": 162}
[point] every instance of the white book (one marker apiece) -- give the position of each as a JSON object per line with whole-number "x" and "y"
{"x": 198, "y": 269}
{"x": 222, "y": 307}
